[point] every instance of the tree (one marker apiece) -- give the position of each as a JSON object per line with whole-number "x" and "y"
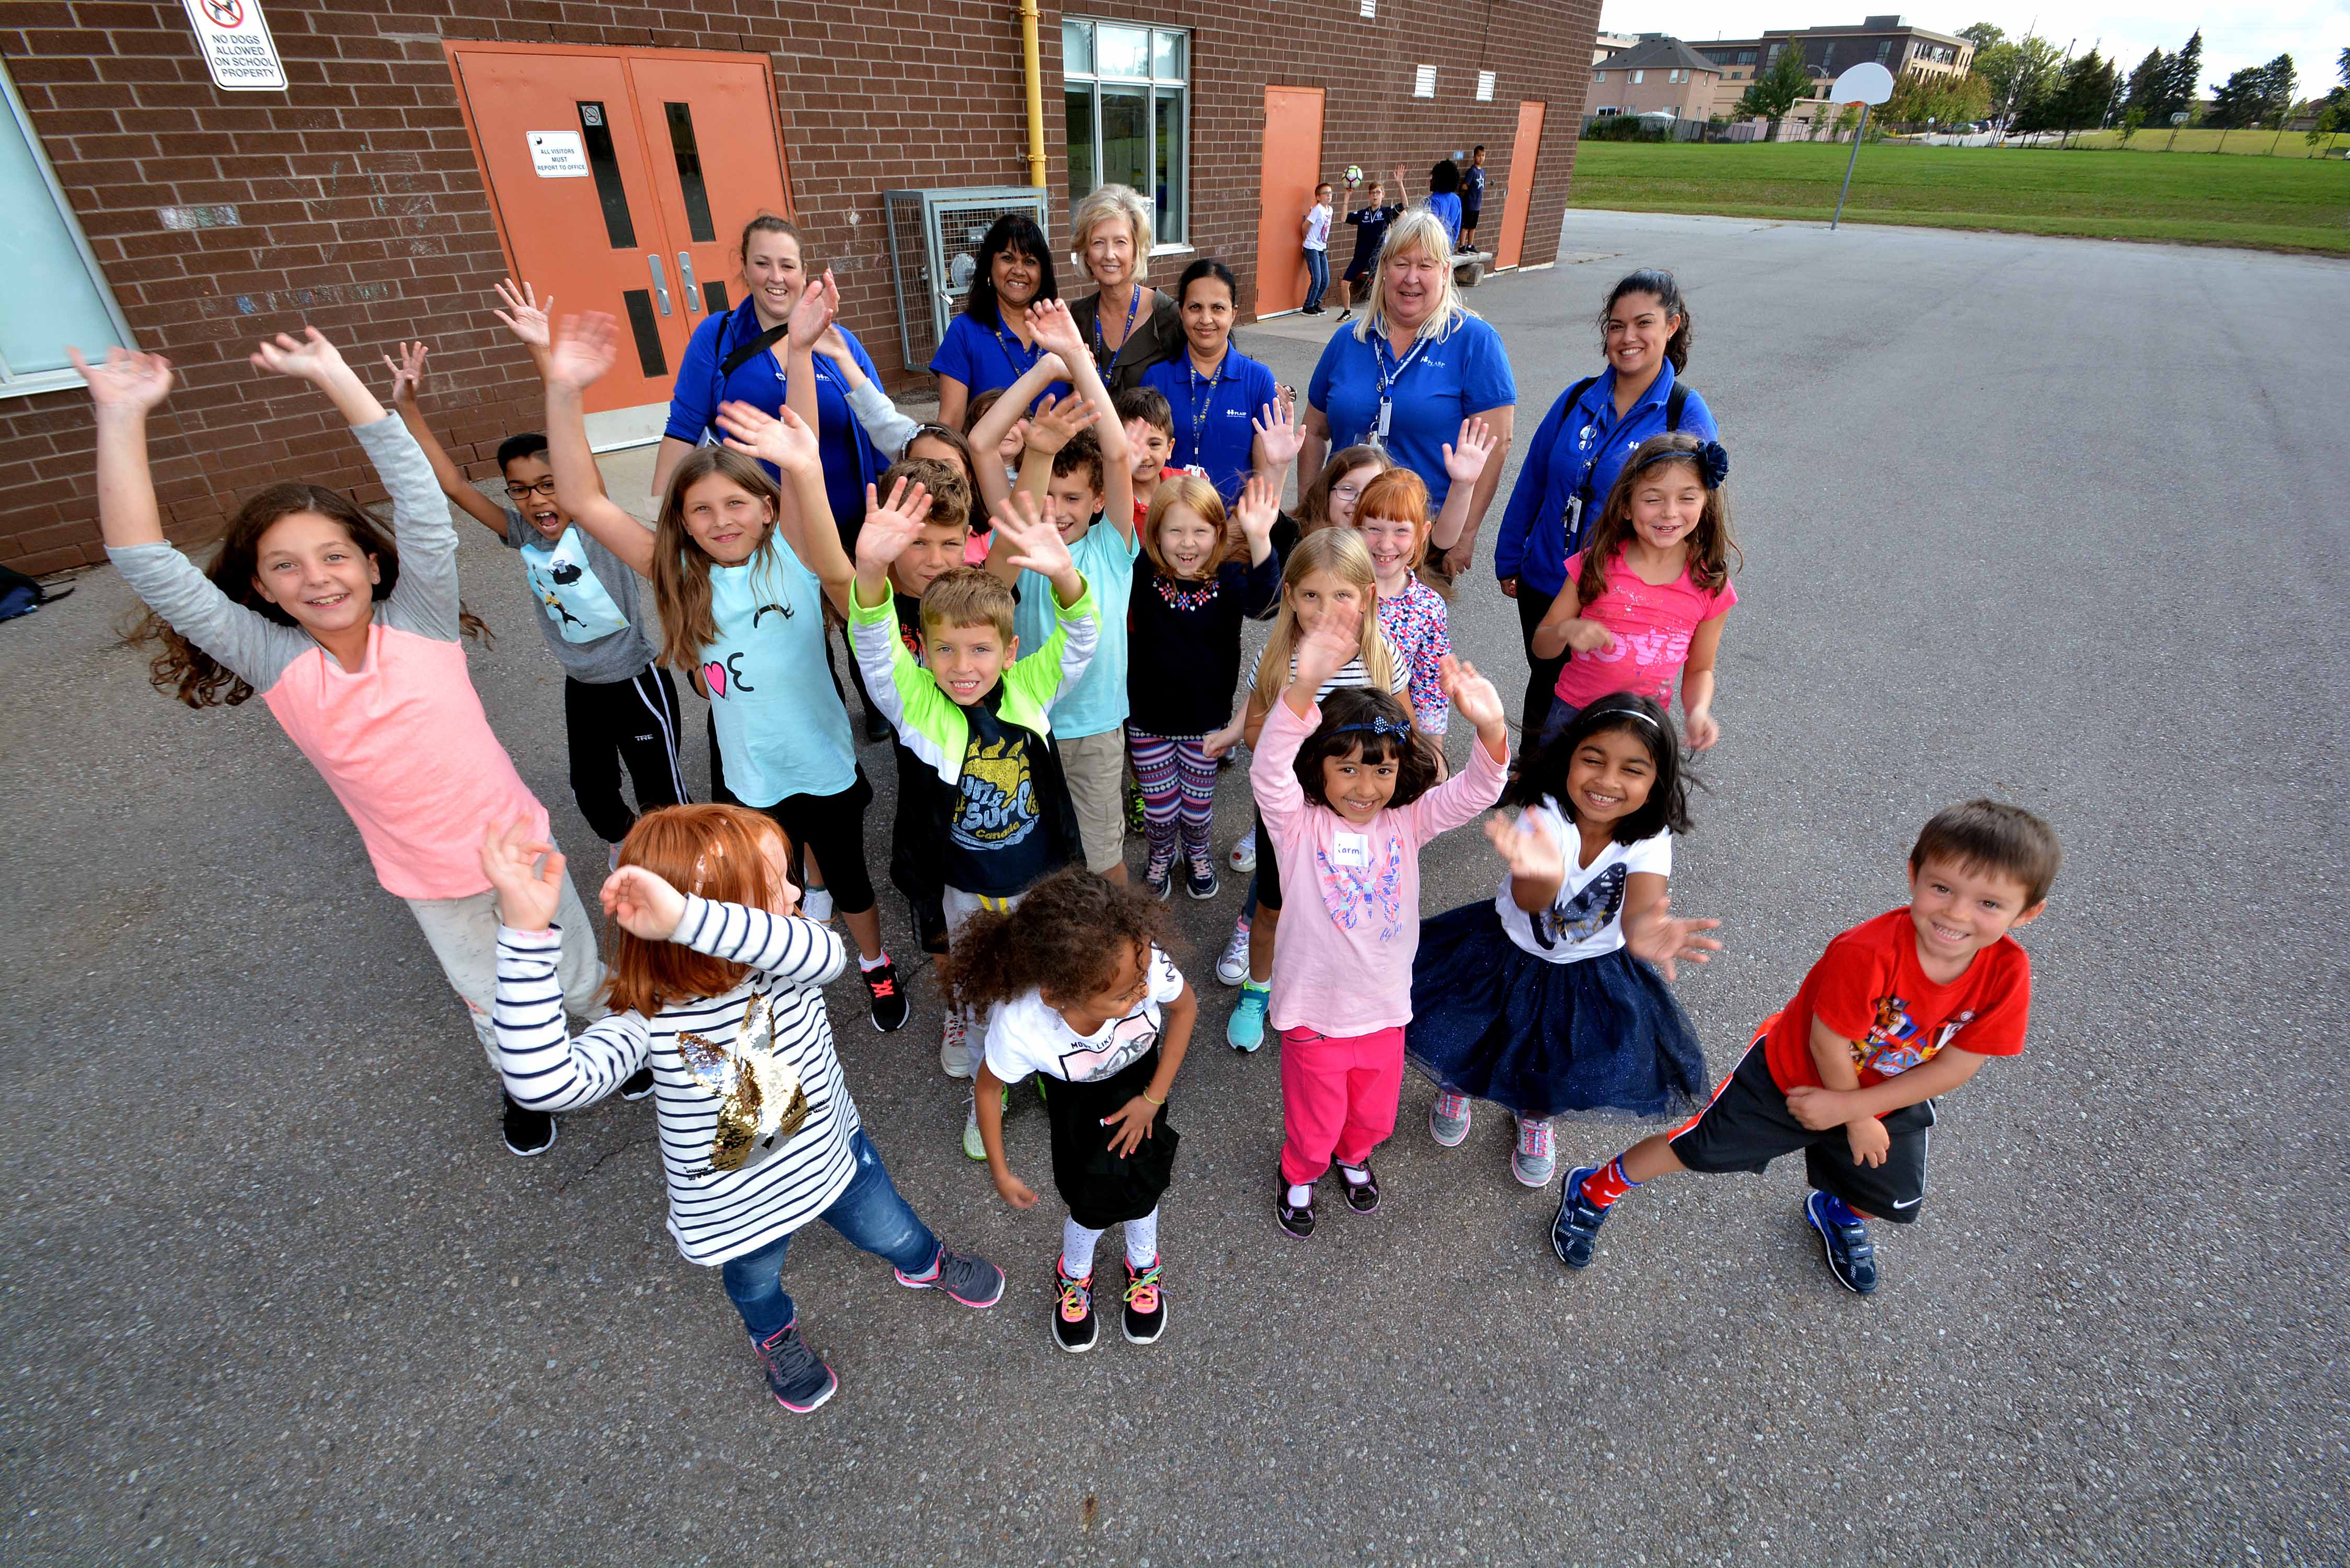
{"x": 2237, "y": 102}
{"x": 2131, "y": 119}
{"x": 1944, "y": 99}
{"x": 1777, "y": 90}
{"x": 2147, "y": 85}
{"x": 2277, "y": 80}
{"x": 1983, "y": 35}
{"x": 2182, "y": 77}
{"x": 2080, "y": 98}
{"x": 2019, "y": 74}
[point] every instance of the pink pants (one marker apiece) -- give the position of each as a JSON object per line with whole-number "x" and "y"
{"x": 1338, "y": 1098}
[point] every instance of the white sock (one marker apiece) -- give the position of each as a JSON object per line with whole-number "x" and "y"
{"x": 1142, "y": 1240}
{"x": 1355, "y": 1175}
{"x": 815, "y": 903}
{"x": 869, "y": 964}
{"x": 1077, "y": 1249}
{"x": 1301, "y": 1193}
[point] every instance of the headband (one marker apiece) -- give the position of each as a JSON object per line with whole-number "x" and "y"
{"x": 1377, "y": 727}
{"x": 1629, "y": 714}
{"x": 1712, "y": 461}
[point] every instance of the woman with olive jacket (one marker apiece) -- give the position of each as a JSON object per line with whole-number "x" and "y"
{"x": 1130, "y": 326}
{"x": 1576, "y": 454}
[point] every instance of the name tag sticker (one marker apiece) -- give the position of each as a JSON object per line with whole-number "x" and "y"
{"x": 1352, "y": 850}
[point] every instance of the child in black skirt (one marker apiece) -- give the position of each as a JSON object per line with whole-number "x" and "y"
{"x": 1545, "y": 998}
{"x": 1080, "y": 992}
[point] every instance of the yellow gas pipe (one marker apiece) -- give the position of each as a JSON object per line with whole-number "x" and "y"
{"x": 1033, "y": 64}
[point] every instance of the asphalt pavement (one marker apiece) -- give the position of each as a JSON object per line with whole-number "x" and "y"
{"x": 2057, "y": 520}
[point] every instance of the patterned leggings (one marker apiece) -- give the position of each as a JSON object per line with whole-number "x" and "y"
{"x": 1179, "y": 784}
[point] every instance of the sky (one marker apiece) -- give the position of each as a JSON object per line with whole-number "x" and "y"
{"x": 2314, "y": 32}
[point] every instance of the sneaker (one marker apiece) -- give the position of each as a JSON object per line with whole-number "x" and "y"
{"x": 796, "y": 1376}
{"x": 1245, "y": 1030}
{"x": 1074, "y": 1328}
{"x": 638, "y": 1085}
{"x": 529, "y": 1132}
{"x": 1202, "y": 883}
{"x": 1136, "y": 822}
{"x": 1576, "y": 1230}
{"x": 1447, "y": 1119}
{"x": 1852, "y": 1256}
{"x": 1348, "y": 314}
{"x": 1243, "y": 859}
{"x": 1297, "y": 1220}
{"x": 1362, "y": 1197}
{"x": 954, "y": 1045}
{"x": 974, "y": 1282}
{"x": 1160, "y": 882}
{"x": 1145, "y": 1318}
{"x": 1536, "y": 1155}
{"x": 973, "y": 1146}
{"x": 877, "y": 728}
{"x": 815, "y": 904}
{"x": 889, "y": 1002}
{"x": 1232, "y": 967}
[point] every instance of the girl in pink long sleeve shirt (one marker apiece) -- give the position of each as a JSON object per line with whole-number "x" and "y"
{"x": 1345, "y": 791}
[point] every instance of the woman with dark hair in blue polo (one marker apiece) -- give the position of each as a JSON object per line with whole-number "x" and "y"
{"x": 1575, "y": 457}
{"x": 989, "y": 345}
{"x": 1217, "y": 392}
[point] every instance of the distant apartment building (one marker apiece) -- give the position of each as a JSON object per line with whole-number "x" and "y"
{"x": 1889, "y": 41}
{"x": 1655, "y": 75}
{"x": 1606, "y": 44}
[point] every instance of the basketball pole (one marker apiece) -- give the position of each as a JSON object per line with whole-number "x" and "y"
{"x": 1859, "y": 131}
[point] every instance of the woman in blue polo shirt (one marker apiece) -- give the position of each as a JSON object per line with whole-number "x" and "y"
{"x": 1216, "y": 392}
{"x": 1572, "y": 462}
{"x": 1406, "y": 375}
{"x": 989, "y": 345}
{"x": 725, "y": 361}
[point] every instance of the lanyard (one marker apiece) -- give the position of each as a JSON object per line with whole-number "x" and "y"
{"x": 1387, "y": 379}
{"x": 1201, "y": 407}
{"x": 1010, "y": 346}
{"x": 1104, "y": 356}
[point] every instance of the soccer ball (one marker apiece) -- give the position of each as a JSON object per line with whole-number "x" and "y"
{"x": 1353, "y": 176}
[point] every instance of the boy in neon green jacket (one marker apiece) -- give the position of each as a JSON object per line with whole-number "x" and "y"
{"x": 974, "y": 709}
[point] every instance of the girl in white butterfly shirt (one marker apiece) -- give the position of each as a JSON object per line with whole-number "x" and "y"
{"x": 1547, "y": 997}
{"x": 1081, "y": 993}
{"x": 719, "y": 989}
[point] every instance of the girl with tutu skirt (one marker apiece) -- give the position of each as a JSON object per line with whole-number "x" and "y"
{"x": 1548, "y": 997}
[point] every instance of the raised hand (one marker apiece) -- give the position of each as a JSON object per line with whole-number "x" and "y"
{"x": 309, "y": 359}
{"x": 889, "y": 529}
{"x": 1530, "y": 853}
{"x": 643, "y": 905}
{"x": 1054, "y": 424}
{"x": 1036, "y": 544}
{"x": 1465, "y": 459}
{"x": 834, "y": 345}
{"x": 1258, "y": 509}
{"x": 1471, "y": 694}
{"x": 783, "y": 438}
{"x": 813, "y": 312}
{"x": 1278, "y": 432}
{"x": 407, "y": 371}
{"x": 1050, "y": 323}
{"x": 1664, "y": 939}
{"x": 125, "y": 382}
{"x": 586, "y": 347}
{"x": 525, "y": 314}
{"x": 529, "y": 889}
{"x": 1336, "y": 639}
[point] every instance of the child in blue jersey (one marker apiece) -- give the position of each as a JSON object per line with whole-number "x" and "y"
{"x": 1444, "y": 197}
{"x": 1472, "y": 197}
{"x": 1369, "y": 222}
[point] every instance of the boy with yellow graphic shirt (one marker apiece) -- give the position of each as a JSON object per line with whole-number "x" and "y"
{"x": 974, "y": 711}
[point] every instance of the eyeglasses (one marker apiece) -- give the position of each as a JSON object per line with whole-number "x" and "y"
{"x": 1346, "y": 491}
{"x": 524, "y": 492}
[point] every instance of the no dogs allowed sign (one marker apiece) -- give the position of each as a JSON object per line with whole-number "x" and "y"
{"x": 236, "y": 45}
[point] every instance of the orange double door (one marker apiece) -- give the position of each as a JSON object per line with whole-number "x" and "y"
{"x": 620, "y": 180}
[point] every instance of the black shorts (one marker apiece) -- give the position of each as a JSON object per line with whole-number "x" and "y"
{"x": 833, "y": 826}
{"x": 1359, "y": 269}
{"x": 1268, "y": 869}
{"x": 1747, "y": 1125}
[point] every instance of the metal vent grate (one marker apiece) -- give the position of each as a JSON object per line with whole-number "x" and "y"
{"x": 934, "y": 239}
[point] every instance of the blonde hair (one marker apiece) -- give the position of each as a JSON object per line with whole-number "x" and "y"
{"x": 1341, "y": 553}
{"x": 967, "y": 595}
{"x": 1102, "y": 204}
{"x": 1193, "y": 492}
{"x": 681, "y": 568}
{"x": 1418, "y": 230}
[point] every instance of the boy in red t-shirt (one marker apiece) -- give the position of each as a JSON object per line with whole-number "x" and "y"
{"x": 1899, "y": 1010}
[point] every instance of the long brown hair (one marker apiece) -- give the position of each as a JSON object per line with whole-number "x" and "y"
{"x": 1341, "y": 553}
{"x": 1313, "y": 506}
{"x": 178, "y": 667}
{"x": 1064, "y": 936}
{"x": 1710, "y": 546}
{"x": 713, "y": 852}
{"x": 680, "y": 566}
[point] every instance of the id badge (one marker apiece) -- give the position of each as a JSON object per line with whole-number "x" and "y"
{"x": 1574, "y": 522}
{"x": 1387, "y": 413}
{"x": 1351, "y": 851}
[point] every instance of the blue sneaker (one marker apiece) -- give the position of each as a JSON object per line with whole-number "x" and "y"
{"x": 1576, "y": 1230}
{"x": 1852, "y": 1256}
{"x": 1244, "y": 1031}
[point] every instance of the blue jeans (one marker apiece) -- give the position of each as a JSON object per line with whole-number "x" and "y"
{"x": 1317, "y": 272}
{"x": 868, "y": 1213}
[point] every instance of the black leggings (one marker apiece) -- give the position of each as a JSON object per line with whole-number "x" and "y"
{"x": 609, "y": 723}
{"x": 1541, "y": 674}
{"x": 831, "y": 825}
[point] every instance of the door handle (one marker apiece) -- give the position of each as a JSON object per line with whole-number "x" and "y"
{"x": 685, "y": 273}
{"x": 661, "y": 281}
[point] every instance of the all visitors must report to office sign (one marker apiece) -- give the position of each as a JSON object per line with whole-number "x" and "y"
{"x": 237, "y": 45}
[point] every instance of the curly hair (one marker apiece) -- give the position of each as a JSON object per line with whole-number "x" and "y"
{"x": 1346, "y": 712}
{"x": 1063, "y": 941}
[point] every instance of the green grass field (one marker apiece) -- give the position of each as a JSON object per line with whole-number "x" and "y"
{"x": 2264, "y": 203}
{"x": 2234, "y": 143}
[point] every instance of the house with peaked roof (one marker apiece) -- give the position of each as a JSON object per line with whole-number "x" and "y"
{"x": 1656, "y": 75}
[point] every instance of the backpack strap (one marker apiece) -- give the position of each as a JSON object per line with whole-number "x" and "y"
{"x": 1675, "y": 401}
{"x": 744, "y": 352}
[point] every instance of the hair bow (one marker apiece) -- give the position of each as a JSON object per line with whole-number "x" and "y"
{"x": 1713, "y": 465}
{"x": 1397, "y": 727}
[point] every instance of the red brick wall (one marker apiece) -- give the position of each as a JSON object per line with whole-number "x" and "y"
{"x": 360, "y": 207}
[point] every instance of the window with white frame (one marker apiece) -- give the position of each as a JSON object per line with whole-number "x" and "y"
{"x": 56, "y": 293}
{"x": 1638, "y": 77}
{"x": 1128, "y": 102}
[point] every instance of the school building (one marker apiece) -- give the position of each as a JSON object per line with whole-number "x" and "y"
{"x": 185, "y": 175}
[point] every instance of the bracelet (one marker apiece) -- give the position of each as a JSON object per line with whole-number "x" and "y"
{"x": 1145, "y": 1094}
